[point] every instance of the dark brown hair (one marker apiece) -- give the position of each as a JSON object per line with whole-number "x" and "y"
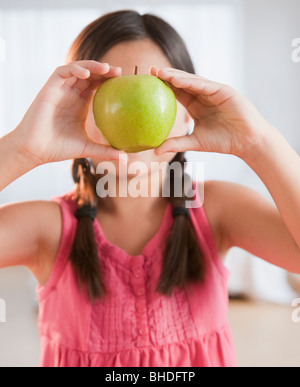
{"x": 183, "y": 260}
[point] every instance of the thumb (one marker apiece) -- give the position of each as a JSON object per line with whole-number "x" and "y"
{"x": 177, "y": 144}
{"x": 102, "y": 152}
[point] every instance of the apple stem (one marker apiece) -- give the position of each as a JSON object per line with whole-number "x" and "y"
{"x": 136, "y": 70}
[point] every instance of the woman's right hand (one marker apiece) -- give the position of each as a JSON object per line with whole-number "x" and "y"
{"x": 53, "y": 128}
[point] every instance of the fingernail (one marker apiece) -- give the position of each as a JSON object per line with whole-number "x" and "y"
{"x": 154, "y": 68}
{"x": 87, "y": 73}
{"x": 116, "y": 67}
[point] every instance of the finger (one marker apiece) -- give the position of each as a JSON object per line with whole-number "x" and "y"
{"x": 103, "y": 152}
{"x": 87, "y": 89}
{"x": 191, "y": 83}
{"x": 86, "y": 69}
{"x": 70, "y": 71}
{"x": 78, "y": 85}
{"x": 112, "y": 72}
{"x": 97, "y": 67}
{"x": 177, "y": 144}
{"x": 181, "y": 73}
{"x": 93, "y": 81}
{"x": 207, "y": 92}
{"x": 160, "y": 72}
{"x": 155, "y": 69}
{"x": 70, "y": 74}
{"x": 70, "y": 82}
{"x": 185, "y": 97}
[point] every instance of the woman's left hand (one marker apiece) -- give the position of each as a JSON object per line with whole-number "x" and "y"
{"x": 225, "y": 121}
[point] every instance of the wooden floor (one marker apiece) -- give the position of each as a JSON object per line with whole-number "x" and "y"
{"x": 264, "y": 334}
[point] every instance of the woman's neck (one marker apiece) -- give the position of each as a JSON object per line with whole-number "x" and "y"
{"x": 131, "y": 194}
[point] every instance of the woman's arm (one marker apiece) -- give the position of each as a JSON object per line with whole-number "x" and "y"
{"x": 226, "y": 122}
{"x": 25, "y": 239}
{"x": 241, "y": 217}
{"x": 278, "y": 166}
{"x": 53, "y": 129}
{"x": 248, "y": 220}
{"x": 14, "y": 163}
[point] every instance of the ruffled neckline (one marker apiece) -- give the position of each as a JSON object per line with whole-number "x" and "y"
{"x": 149, "y": 250}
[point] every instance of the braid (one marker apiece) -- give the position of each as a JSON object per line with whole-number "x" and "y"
{"x": 85, "y": 182}
{"x": 183, "y": 259}
{"x": 84, "y": 254}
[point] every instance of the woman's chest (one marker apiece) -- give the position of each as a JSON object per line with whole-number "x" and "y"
{"x": 131, "y": 236}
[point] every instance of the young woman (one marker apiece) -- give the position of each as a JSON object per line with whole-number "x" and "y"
{"x": 129, "y": 281}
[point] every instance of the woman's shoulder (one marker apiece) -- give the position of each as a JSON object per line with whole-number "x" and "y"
{"x": 220, "y": 195}
{"x": 217, "y": 193}
{"x": 48, "y": 222}
{"x": 217, "y": 197}
{"x": 225, "y": 203}
{"x": 35, "y": 213}
{"x": 31, "y": 234}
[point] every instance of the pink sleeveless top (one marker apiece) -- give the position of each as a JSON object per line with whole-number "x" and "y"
{"x": 134, "y": 326}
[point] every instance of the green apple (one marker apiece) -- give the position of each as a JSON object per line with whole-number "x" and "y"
{"x": 134, "y": 112}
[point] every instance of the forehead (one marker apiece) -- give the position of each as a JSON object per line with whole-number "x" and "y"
{"x": 141, "y": 53}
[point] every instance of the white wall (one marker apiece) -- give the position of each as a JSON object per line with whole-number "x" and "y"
{"x": 272, "y": 78}
{"x": 272, "y": 83}
{"x": 37, "y": 41}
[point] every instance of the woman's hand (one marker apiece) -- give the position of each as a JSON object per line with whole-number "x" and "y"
{"x": 225, "y": 121}
{"x": 53, "y": 128}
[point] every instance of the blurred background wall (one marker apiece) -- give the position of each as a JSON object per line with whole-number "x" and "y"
{"x": 244, "y": 43}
